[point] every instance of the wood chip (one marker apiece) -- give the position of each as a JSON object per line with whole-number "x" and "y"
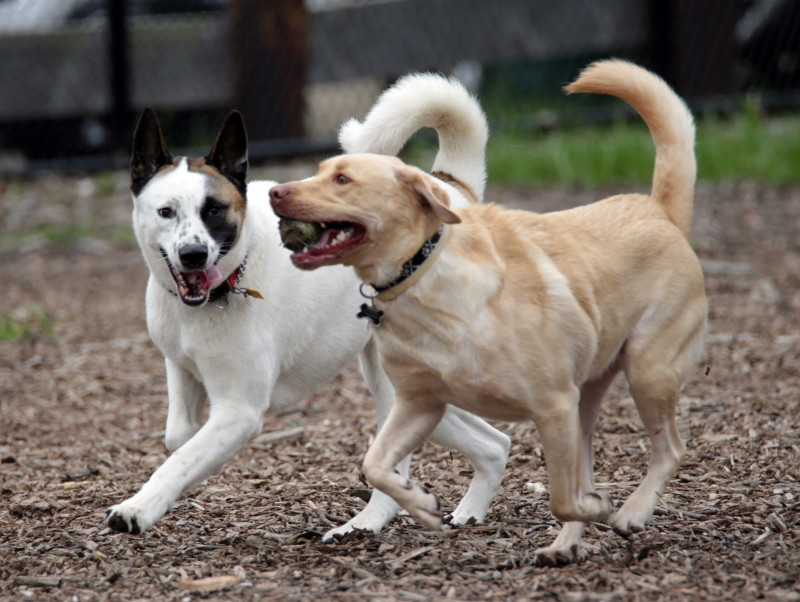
{"x": 209, "y": 584}
{"x": 37, "y": 580}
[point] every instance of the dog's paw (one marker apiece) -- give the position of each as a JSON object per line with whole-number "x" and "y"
{"x": 556, "y": 555}
{"x": 337, "y": 534}
{"x": 470, "y": 511}
{"x": 596, "y": 507}
{"x": 628, "y": 523}
{"x": 459, "y": 521}
{"x": 635, "y": 513}
{"x": 424, "y": 506}
{"x": 118, "y": 521}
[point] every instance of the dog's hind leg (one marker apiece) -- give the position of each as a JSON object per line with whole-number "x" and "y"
{"x": 487, "y": 450}
{"x": 186, "y": 396}
{"x": 655, "y": 371}
{"x": 566, "y": 546}
{"x": 558, "y": 423}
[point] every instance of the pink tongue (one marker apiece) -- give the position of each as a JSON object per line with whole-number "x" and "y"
{"x": 326, "y": 238}
{"x": 213, "y": 275}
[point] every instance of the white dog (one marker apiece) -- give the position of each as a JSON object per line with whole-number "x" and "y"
{"x": 239, "y": 325}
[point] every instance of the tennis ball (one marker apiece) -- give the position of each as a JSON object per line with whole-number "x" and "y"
{"x": 297, "y": 235}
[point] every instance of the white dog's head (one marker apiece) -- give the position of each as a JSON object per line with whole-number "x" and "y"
{"x": 188, "y": 213}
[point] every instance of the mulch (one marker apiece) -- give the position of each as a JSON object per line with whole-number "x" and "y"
{"x": 83, "y": 404}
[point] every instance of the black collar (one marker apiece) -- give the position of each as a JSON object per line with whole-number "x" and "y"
{"x": 409, "y": 274}
{"x": 411, "y": 266}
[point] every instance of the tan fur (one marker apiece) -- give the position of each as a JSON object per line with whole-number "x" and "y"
{"x": 529, "y": 316}
{"x": 221, "y": 187}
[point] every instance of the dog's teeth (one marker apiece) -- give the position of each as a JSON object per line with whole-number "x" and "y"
{"x": 343, "y": 235}
{"x": 322, "y": 225}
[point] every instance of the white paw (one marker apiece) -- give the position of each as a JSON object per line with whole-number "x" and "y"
{"x": 373, "y": 517}
{"x": 133, "y": 515}
{"x": 349, "y": 527}
{"x": 125, "y": 520}
{"x": 473, "y": 507}
{"x": 366, "y": 520}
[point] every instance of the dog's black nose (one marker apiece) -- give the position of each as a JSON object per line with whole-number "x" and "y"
{"x": 193, "y": 256}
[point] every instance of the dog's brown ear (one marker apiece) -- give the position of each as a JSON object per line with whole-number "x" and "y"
{"x": 149, "y": 150}
{"x": 428, "y": 192}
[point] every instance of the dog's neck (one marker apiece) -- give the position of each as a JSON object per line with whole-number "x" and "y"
{"x": 229, "y": 284}
{"x": 413, "y": 269}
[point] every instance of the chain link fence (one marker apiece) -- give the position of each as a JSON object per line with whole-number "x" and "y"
{"x": 74, "y": 74}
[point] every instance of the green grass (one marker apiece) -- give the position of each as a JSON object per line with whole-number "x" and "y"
{"x": 36, "y": 323}
{"x": 59, "y": 236}
{"x": 742, "y": 148}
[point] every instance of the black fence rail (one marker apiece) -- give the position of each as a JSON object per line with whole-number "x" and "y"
{"x": 74, "y": 74}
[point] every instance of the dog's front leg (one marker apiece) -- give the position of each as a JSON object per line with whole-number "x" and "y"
{"x": 186, "y": 396}
{"x": 406, "y": 428}
{"x": 381, "y": 508}
{"x": 228, "y": 429}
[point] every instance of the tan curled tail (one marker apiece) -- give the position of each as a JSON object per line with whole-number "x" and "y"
{"x": 670, "y": 123}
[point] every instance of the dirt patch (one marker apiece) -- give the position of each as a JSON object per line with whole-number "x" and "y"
{"x": 83, "y": 404}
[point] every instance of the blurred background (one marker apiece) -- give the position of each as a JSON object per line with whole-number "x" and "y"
{"x": 74, "y": 74}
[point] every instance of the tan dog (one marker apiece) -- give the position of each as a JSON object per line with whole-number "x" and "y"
{"x": 526, "y": 316}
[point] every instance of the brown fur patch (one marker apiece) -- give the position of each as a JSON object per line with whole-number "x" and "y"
{"x": 223, "y": 189}
{"x": 458, "y": 184}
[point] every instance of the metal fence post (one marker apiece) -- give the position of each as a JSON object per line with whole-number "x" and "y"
{"x": 120, "y": 89}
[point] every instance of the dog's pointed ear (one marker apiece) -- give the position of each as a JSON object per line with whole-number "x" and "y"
{"x": 149, "y": 153}
{"x": 428, "y": 192}
{"x": 229, "y": 153}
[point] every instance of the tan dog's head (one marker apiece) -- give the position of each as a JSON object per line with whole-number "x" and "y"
{"x": 373, "y": 211}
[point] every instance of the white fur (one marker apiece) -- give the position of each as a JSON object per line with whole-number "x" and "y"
{"x": 259, "y": 355}
{"x": 426, "y": 100}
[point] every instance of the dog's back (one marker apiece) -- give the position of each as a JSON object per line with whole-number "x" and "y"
{"x": 426, "y": 100}
{"x": 670, "y": 123}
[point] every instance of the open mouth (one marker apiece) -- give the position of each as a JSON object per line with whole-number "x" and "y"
{"x": 194, "y": 286}
{"x": 316, "y": 243}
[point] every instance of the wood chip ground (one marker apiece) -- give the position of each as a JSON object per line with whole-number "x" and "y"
{"x": 82, "y": 413}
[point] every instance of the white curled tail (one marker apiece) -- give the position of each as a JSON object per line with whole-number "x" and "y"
{"x": 426, "y": 100}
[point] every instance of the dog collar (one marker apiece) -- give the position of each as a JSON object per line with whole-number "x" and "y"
{"x": 231, "y": 286}
{"x": 411, "y": 271}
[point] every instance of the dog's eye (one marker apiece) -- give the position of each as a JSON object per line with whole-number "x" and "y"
{"x": 342, "y": 179}
{"x": 166, "y": 212}
{"x": 214, "y": 211}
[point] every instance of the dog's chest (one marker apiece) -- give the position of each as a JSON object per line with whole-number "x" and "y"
{"x": 188, "y": 336}
{"x": 464, "y": 370}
